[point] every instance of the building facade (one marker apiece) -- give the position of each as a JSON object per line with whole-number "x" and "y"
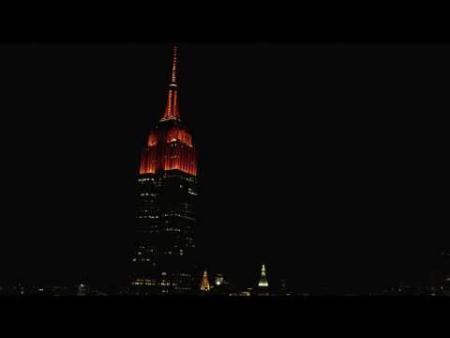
{"x": 164, "y": 254}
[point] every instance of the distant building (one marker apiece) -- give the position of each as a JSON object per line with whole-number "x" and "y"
{"x": 263, "y": 285}
{"x": 83, "y": 290}
{"x": 284, "y": 291}
{"x": 221, "y": 286}
{"x": 245, "y": 293}
{"x": 204, "y": 285}
{"x": 218, "y": 280}
{"x": 446, "y": 285}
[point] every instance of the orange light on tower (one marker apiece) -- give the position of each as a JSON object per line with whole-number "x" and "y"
{"x": 170, "y": 146}
{"x": 168, "y": 160}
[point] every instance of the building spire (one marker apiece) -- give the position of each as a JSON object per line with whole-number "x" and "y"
{"x": 171, "y": 112}
{"x": 173, "y": 79}
{"x": 263, "y": 283}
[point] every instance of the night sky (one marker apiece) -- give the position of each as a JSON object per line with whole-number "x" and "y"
{"x": 327, "y": 162}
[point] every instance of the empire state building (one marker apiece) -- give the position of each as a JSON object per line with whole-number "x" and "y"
{"x": 163, "y": 257}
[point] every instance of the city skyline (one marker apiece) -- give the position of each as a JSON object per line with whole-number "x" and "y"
{"x": 312, "y": 158}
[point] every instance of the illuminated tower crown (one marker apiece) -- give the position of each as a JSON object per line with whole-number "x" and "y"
{"x": 169, "y": 145}
{"x": 263, "y": 283}
{"x": 204, "y": 285}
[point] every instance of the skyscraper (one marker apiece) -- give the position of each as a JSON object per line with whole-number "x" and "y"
{"x": 163, "y": 260}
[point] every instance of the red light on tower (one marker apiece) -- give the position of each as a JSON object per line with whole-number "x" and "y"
{"x": 169, "y": 146}
{"x": 171, "y": 112}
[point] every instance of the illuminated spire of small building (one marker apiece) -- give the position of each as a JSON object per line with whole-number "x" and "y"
{"x": 204, "y": 285}
{"x": 172, "y": 112}
{"x": 263, "y": 283}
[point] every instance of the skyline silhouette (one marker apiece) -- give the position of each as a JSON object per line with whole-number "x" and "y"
{"x": 322, "y": 161}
